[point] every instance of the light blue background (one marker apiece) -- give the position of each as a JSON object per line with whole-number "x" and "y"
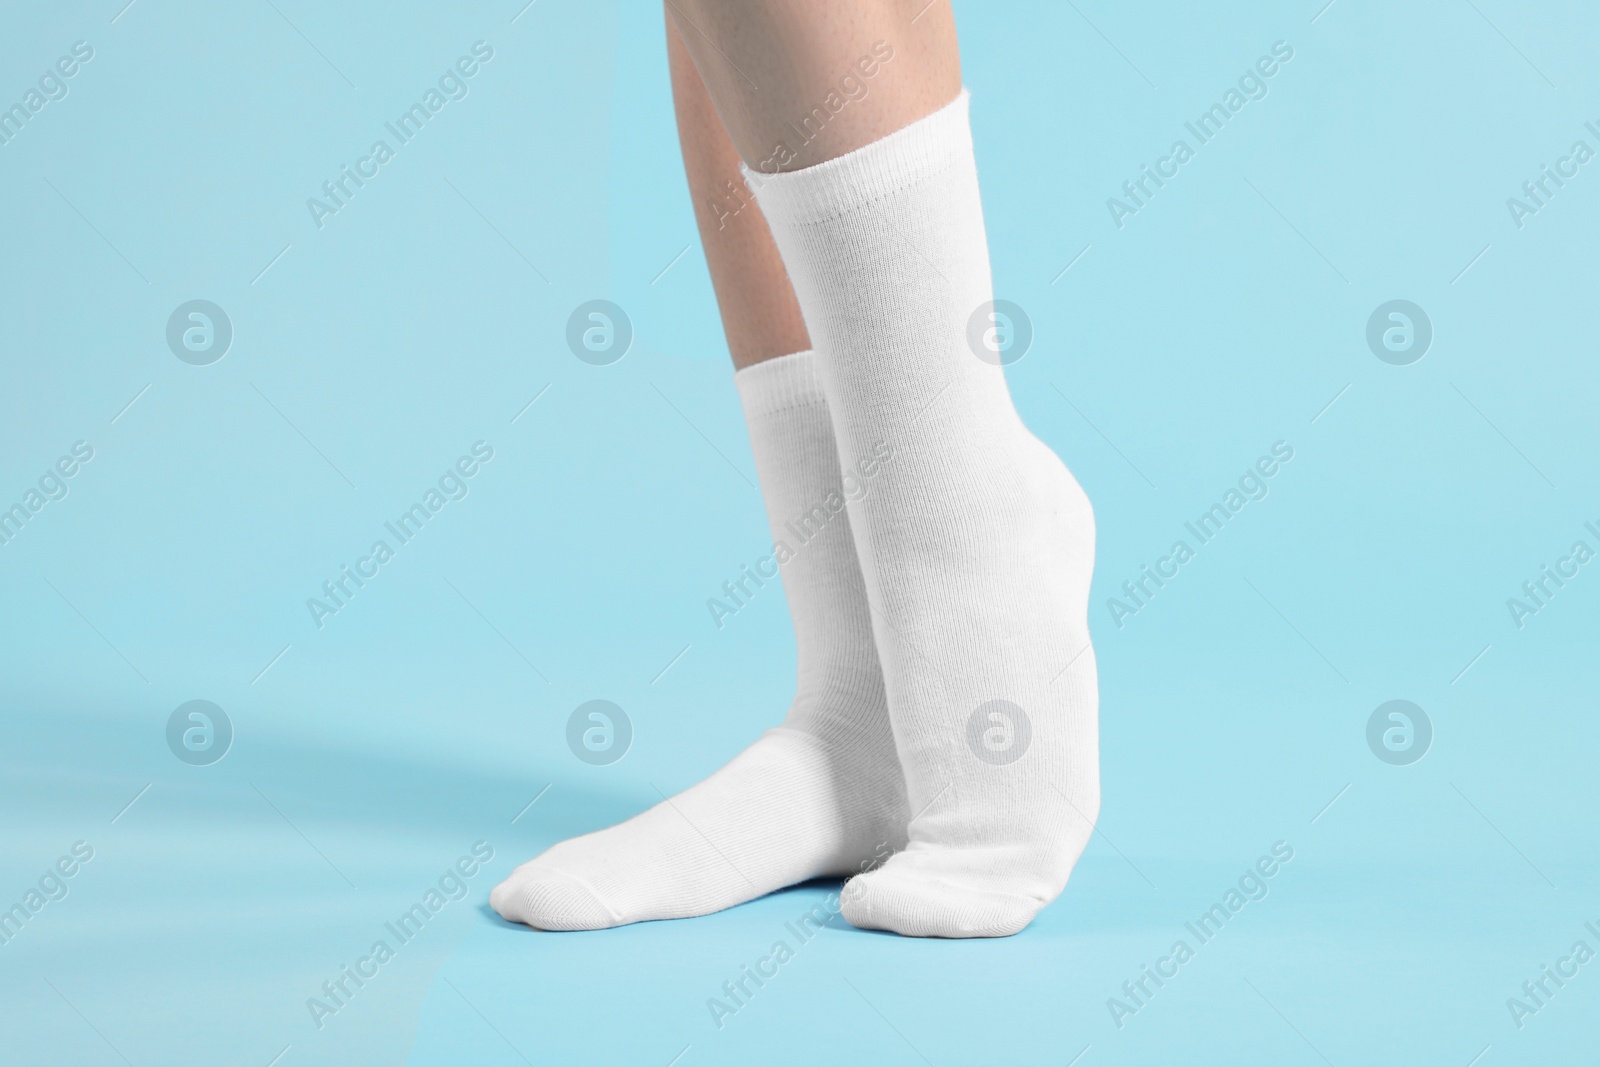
{"x": 426, "y": 715}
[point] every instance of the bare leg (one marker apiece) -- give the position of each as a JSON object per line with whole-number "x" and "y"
{"x": 771, "y": 64}
{"x": 760, "y": 314}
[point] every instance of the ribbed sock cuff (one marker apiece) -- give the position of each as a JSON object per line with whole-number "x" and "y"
{"x": 909, "y": 155}
{"x": 777, "y": 384}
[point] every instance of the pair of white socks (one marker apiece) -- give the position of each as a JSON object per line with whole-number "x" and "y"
{"x": 946, "y": 714}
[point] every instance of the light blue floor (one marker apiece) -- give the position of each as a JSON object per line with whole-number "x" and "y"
{"x": 427, "y": 716}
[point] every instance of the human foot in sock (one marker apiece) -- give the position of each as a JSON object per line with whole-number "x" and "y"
{"x": 976, "y": 544}
{"x": 819, "y": 794}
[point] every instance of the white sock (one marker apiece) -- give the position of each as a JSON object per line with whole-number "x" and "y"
{"x": 975, "y": 541}
{"x": 819, "y": 794}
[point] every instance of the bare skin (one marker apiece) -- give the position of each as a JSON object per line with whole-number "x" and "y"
{"x": 760, "y": 315}
{"x": 784, "y": 84}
